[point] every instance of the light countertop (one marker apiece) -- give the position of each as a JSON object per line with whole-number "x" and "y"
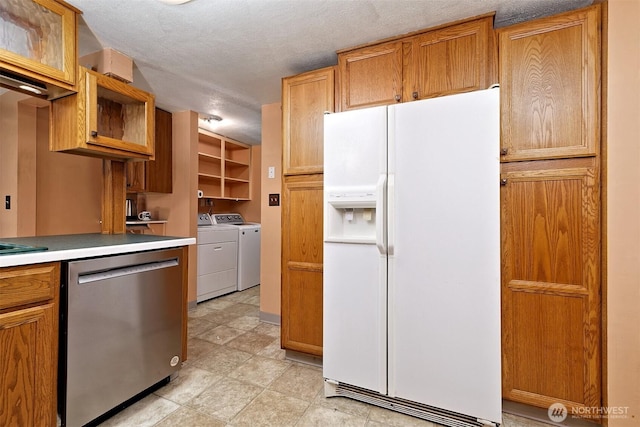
{"x": 78, "y": 246}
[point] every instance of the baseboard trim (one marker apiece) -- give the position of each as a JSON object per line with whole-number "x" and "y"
{"x": 299, "y": 357}
{"x": 274, "y": 319}
{"x": 541, "y": 415}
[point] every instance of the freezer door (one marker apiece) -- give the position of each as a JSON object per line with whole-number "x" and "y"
{"x": 354, "y": 259}
{"x": 444, "y": 287}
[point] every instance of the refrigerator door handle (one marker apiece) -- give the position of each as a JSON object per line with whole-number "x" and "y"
{"x": 391, "y": 214}
{"x": 380, "y": 214}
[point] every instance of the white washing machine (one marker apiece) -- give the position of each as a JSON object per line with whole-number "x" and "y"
{"x": 248, "y": 248}
{"x": 217, "y": 259}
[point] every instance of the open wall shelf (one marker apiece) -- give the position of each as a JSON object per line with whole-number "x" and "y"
{"x": 224, "y": 167}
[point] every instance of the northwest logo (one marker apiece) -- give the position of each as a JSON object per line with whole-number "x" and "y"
{"x": 557, "y": 412}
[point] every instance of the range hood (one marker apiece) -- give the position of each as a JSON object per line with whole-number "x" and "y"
{"x": 31, "y": 87}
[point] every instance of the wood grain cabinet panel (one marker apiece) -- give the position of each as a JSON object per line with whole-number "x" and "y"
{"x": 48, "y": 52}
{"x": 551, "y": 232}
{"x": 302, "y": 241}
{"x": 106, "y": 118}
{"x": 550, "y": 87}
{"x": 305, "y": 99}
{"x": 29, "y": 343}
{"x": 154, "y": 176}
{"x": 551, "y": 283}
{"x": 371, "y": 76}
{"x": 454, "y": 59}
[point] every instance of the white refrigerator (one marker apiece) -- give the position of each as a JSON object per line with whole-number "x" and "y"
{"x": 412, "y": 257}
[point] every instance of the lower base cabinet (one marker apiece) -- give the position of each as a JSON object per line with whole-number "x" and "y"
{"x": 29, "y": 342}
{"x": 551, "y": 316}
{"x": 302, "y": 264}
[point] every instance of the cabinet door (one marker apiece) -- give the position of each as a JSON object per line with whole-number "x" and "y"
{"x": 136, "y": 177}
{"x": 38, "y": 40}
{"x": 29, "y": 343}
{"x": 119, "y": 116}
{"x": 159, "y": 171}
{"x": 450, "y": 60}
{"x": 305, "y": 99}
{"x": 370, "y": 76}
{"x": 106, "y": 118}
{"x": 551, "y": 317}
{"x": 550, "y": 80}
{"x": 28, "y": 339}
{"x": 302, "y": 264}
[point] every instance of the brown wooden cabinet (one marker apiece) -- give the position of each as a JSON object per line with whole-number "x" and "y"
{"x": 305, "y": 99}
{"x": 29, "y": 341}
{"x": 550, "y": 81}
{"x": 550, "y": 204}
{"x": 106, "y": 118}
{"x": 551, "y": 282}
{"x": 301, "y": 326}
{"x": 154, "y": 176}
{"x": 455, "y": 58}
{"x": 371, "y": 76}
{"x": 40, "y": 43}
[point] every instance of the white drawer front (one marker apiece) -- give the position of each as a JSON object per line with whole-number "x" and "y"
{"x": 217, "y": 257}
{"x": 216, "y": 284}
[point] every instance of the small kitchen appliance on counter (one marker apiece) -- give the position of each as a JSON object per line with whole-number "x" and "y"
{"x": 130, "y": 210}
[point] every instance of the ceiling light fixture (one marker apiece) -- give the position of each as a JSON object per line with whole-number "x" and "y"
{"x": 212, "y": 118}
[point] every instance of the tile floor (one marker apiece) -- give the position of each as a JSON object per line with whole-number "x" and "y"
{"x": 237, "y": 375}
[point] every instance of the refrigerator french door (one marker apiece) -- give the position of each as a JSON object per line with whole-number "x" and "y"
{"x": 412, "y": 257}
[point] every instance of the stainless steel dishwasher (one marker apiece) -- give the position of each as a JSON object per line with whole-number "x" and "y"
{"x": 120, "y": 330}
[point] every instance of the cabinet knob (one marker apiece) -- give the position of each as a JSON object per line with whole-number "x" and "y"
{"x": 504, "y": 151}
{"x": 397, "y": 97}
{"x": 503, "y": 181}
{"x": 415, "y": 95}
{"x": 94, "y": 133}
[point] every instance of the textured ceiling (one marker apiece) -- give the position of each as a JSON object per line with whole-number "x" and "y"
{"x": 227, "y": 57}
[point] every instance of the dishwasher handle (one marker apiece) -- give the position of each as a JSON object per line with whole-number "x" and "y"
{"x": 91, "y": 277}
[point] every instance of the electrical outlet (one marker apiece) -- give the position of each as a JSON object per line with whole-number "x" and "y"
{"x": 272, "y": 172}
{"x": 274, "y": 199}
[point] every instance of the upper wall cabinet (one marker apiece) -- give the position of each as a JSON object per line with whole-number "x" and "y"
{"x": 106, "y": 118}
{"x": 455, "y": 58}
{"x": 38, "y": 45}
{"x": 305, "y": 99}
{"x": 155, "y": 176}
{"x": 459, "y": 58}
{"x": 371, "y": 76}
{"x": 549, "y": 79}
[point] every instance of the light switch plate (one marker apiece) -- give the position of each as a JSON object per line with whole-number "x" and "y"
{"x": 274, "y": 199}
